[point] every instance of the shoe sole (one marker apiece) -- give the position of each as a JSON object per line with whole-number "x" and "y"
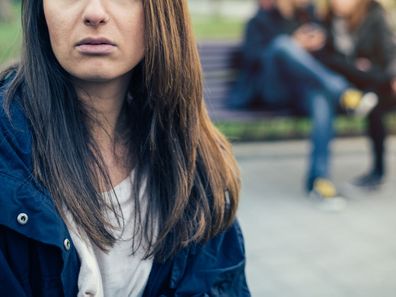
{"x": 334, "y": 204}
{"x": 368, "y": 102}
{"x": 354, "y": 192}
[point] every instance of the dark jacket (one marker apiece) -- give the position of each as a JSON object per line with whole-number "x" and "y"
{"x": 265, "y": 26}
{"x": 260, "y": 31}
{"x": 37, "y": 257}
{"x": 375, "y": 41}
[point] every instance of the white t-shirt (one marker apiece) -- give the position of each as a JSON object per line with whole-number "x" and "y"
{"x": 344, "y": 41}
{"x": 116, "y": 273}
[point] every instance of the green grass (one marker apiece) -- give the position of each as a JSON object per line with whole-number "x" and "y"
{"x": 217, "y": 28}
{"x": 10, "y": 38}
{"x": 280, "y": 128}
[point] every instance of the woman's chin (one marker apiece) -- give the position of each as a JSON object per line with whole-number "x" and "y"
{"x": 95, "y": 77}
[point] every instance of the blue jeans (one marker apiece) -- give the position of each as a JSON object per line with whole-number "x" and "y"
{"x": 292, "y": 77}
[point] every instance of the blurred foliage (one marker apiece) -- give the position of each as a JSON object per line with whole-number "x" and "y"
{"x": 5, "y": 10}
{"x": 10, "y": 37}
{"x": 217, "y": 28}
{"x": 279, "y": 128}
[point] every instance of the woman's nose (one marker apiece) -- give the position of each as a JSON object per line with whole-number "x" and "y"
{"x": 95, "y": 13}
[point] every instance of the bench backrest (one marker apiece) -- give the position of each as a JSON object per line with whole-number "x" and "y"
{"x": 219, "y": 67}
{"x": 220, "y": 62}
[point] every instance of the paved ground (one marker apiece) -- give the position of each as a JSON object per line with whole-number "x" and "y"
{"x": 295, "y": 249}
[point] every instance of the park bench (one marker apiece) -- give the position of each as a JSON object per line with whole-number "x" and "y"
{"x": 221, "y": 61}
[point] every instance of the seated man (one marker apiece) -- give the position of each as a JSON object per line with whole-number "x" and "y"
{"x": 279, "y": 69}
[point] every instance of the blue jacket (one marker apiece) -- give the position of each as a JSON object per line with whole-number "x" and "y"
{"x": 37, "y": 257}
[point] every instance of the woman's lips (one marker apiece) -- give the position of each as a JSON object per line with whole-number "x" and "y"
{"x": 95, "y": 46}
{"x": 95, "y": 49}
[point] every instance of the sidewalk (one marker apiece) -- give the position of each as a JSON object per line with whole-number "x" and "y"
{"x": 295, "y": 249}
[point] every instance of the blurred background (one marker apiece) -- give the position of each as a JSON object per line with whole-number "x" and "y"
{"x": 295, "y": 246}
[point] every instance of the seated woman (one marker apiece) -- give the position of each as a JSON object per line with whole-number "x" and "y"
{"x": 114, "y": 182}
{"x": 361, "y": 47}
{"x": 280, "y": 70}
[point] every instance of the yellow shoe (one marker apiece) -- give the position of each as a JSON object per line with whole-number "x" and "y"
{"x": 325, "y": 195}
{"x": 351, "y": 98}
{"x": 325, "y": 188}
{"x": 357, "y": 102}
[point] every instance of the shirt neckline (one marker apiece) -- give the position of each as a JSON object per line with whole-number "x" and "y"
{"x": 125, "y": 182}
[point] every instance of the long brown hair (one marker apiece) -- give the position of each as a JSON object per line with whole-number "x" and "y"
{"x": 357, "y": 18}
{"x": 358, "y": 15}
{"x": 191, "y": 175}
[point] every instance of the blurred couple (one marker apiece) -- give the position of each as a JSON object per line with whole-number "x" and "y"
{"x": 317, "y": 61}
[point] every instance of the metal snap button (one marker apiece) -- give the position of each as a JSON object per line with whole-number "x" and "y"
{"x": 22, "y": 218}
{"x": 67, "y": 244}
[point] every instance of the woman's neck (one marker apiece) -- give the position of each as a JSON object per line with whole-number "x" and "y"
{"x": 104, "y": 101}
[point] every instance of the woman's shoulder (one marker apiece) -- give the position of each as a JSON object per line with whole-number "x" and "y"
{"x": 220, "y": 262}
{"x": 223, "y": 259}
{"x": 11, "y": 111}
{"x": 6, "y": 78}
{"x": 264, "y": 17}
{"x": 375, "y": 25}
{"x": 15, "y": 132}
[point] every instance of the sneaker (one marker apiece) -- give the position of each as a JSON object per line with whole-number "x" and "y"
{"x": 362, "y": 187}
{"x": 325, "y": 194}
{"x": 370, "y": 181}
{"x": 357, "y": 102}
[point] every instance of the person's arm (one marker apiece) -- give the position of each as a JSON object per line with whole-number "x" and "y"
{"x": 385, "y": 42}
{"x": 393, "y": 85}
{"x": 386, "y": 45}
{"x": 32, "y": 268}
{"x": 330, "y": 57}
{"x": 9, "y": 285}
{"x": 258, "y": 34}
{"x": 216, "y": 268}
{"x": 10, "y": 279}
{"x": 310, "y": 37}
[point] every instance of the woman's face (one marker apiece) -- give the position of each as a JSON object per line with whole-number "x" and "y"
{"x": 266, "y": 4}
{"x": 301, "y": 3}
{"x": 344, "y": 8}
{"x": 96, "y": 40}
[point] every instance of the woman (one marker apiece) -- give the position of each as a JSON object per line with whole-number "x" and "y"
{"x": 114, "y": 180}
{"x": 281, "y": 71}
{"x": 362, "y": 48}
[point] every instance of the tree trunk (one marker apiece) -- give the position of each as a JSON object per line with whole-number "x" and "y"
{"x": 5, "y": 10}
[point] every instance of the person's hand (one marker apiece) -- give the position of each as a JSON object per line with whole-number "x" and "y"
{"x": 310, "y": 37}
{"x": 393, "y": 85}
{"x": 363, "y": 64}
